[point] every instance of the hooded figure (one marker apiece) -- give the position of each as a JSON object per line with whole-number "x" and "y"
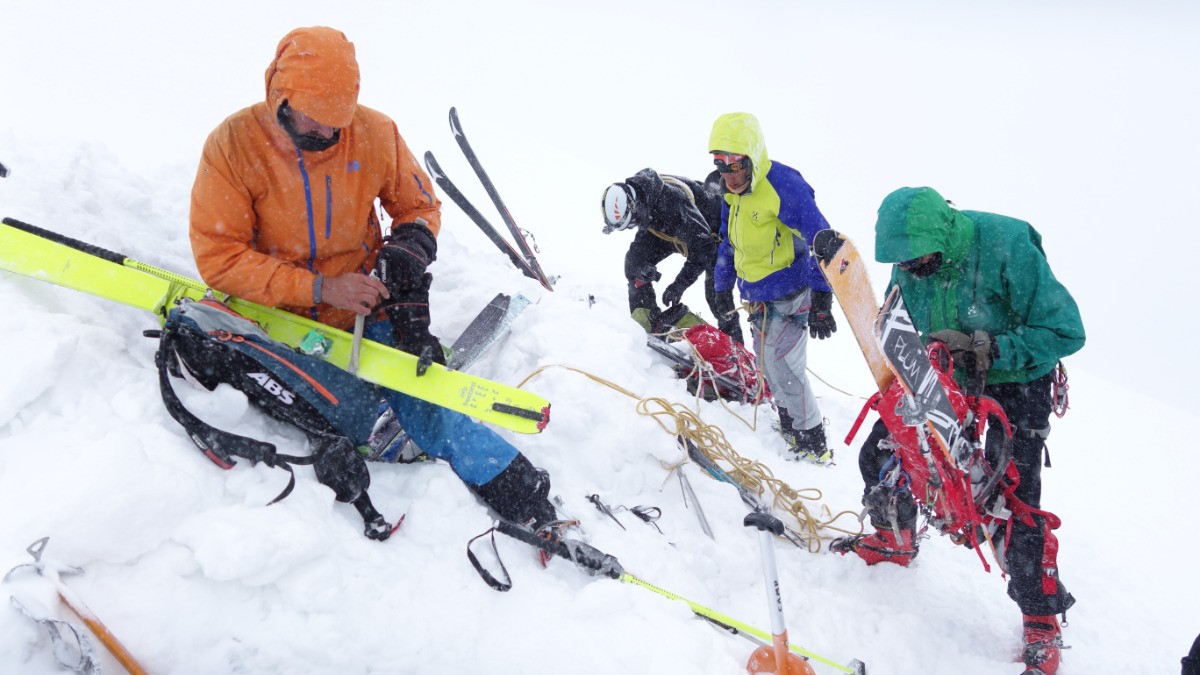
{"x": 269, "y": 217}
{"x": 766, "y": 230}
{"x": 979, "y": 282}
{"x": 283, "y": 214}
{"x": 767, "y": 223}
{"x": 993, "y": 277}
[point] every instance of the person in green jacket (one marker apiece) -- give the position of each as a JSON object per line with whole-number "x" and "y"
{"x": 979, "y": 282}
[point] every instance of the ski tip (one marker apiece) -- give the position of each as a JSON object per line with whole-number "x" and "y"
{"x": 545, "y": 419}
{"x": 826, "y": 244}
{"x": 432, "y": 167}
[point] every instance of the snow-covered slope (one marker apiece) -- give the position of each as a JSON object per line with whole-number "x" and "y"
{"x": 1075, "y": 117}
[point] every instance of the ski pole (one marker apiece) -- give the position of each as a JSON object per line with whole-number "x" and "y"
{"x": 776, "y": 658}
{"x": 602, "y": 564}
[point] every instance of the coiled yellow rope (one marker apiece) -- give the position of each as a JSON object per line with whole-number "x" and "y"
{"x": 679, "y": 421}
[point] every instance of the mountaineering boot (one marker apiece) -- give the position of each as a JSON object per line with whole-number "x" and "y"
{"x": 674, "y": 317}
{"x": 520, "y": 494}
{"x": 810, "y": 445}
{"x": 1043, "y": 644}
{"x": 374, "y": 524}
{"x": 885, "y": 545}
{"x": 894, "y": 516}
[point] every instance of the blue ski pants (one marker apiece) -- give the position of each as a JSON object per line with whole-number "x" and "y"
{"x": 475, "y": 452}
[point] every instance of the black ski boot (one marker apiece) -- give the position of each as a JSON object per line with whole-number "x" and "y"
{"x": 520, "y": 494}
{"x": 808, "y": 445}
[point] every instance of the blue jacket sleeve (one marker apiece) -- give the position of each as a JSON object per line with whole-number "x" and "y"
{"x": 798, "y": 210}
{"x": 724, "y": 273}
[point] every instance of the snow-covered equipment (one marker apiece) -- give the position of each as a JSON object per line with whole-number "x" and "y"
{"x": 599, "y": 563}
{"x": 77, "y": 645}
{"x": 967, "y": 491}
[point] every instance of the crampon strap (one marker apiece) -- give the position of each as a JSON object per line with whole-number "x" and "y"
{"x": 484, "y": 574}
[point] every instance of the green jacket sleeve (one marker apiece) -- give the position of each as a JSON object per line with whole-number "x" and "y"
{"x": 1045, "y": 316}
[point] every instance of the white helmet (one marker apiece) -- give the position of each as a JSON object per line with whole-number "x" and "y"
{"x": 619, "y": 204}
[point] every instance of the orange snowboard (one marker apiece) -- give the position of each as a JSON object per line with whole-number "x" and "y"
{"x": 843, "y": 268}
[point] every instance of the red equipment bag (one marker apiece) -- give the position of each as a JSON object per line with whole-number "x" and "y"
{"x": 739, "y": 379}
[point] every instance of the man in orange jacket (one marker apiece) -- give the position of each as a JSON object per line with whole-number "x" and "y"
{"x": 283, "y": 214}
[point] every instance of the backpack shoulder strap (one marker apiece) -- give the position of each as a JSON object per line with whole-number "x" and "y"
{"x": 219, "y": 446}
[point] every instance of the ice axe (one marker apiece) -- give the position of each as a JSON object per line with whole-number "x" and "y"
{"x": 73, "y": 603}
{"x": 777, "y": 657}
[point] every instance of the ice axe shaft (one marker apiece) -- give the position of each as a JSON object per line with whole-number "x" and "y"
{"x": 79, "y": 609}
{"x": 106, "y": 637}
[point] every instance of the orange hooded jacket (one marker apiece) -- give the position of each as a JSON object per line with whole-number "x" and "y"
{"x": 267, "y": 218}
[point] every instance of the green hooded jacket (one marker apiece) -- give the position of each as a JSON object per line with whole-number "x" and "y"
{"x": 994, "y": 277}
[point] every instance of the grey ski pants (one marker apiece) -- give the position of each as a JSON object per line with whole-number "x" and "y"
{"x": 780, "y": 330}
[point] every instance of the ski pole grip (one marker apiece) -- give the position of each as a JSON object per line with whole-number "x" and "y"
{"x": 764, "y": 522}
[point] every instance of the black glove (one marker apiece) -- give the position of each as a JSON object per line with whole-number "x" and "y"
{"x": 646, "y": 274}
{"x": 406, "y": 252}
{"x": 820, "y": 318}
{"x": 673, "y": 294}
{"x": 972, "y": 352}
{"x": 409, "y": 314}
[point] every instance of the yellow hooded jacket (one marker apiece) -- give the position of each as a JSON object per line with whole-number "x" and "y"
{"x": 267, "y": 218}
{"x": 766, "y": 230}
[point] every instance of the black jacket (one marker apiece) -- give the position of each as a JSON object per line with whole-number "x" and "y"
{"x": 683, "y": 211}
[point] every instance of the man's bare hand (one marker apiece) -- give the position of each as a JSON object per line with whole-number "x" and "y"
{"x": 357, "y": 292}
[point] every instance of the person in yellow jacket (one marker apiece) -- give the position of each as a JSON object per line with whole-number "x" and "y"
{"x": 283, "y": 214}
{"x": 767, "y": 224}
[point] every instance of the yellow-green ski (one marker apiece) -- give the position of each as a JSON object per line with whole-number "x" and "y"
{"x": 40, "y": 254}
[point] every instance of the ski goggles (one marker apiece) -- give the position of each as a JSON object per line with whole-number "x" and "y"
{"x": 729, "y": 163}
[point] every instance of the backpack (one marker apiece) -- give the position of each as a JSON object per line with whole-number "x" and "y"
{"x": 207, "y": 343}
{"x": 728, "y": 358}
{"x": 973, "y": 503}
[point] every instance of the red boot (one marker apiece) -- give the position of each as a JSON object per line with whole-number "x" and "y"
{"x": 1043, "y": 644}
{"x": 881, "y": 546}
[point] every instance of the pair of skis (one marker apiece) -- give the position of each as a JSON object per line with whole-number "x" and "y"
{"x": 522, "y": 256}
